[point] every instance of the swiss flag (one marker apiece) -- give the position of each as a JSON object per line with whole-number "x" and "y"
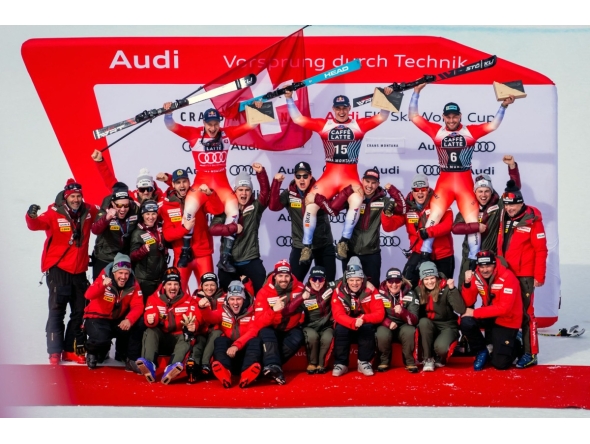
{"x": 279, "y": 65}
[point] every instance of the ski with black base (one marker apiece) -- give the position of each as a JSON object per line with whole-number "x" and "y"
{"x": 398, "y": 87}
{"x": 149, "y": 115}
{"x": 349, "y": 67}
{"x": 573, "y": 332}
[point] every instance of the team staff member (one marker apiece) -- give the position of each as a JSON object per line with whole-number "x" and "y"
{"x": 500, "y": 313}
{"x": 147, "y": 189}
{"x": 238, "y": 350}
{"x": 401, "y": 317}
{"x": 199, "y": 259}
{"x": 318, "y": 325}
{"x": 168, "y": 314}
{"x": 116, "y": 304}
{"x": 67, "y": 225}
{"x": 149, "y": 251}
{"x": 280, "y": 312}
{"x": 294, "y": 199}
{"x": 418, "y": 203}
{"x": 113, "y": 226}
{"x": 342, "y": 137}
{"x": 199, "y": 362}
{"x": 454, "y": 145}
{"x": 357, "y": 312}
{"x": 366, "y": 234}
{"x": 440, "y": 301}
{"x": 490, "y": 207}
{"x": 245, "y": 249}
{"x": 522, "y": 244}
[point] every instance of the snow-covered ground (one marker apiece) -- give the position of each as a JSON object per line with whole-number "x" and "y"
{"x": 33, "y": 170}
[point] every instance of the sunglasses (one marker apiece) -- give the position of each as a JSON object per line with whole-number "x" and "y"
{"x": 394, "y": 281}
{"x": 146, "y": 190}
{"x": 418, "y": 190}
{"x": 121, "y": 205}
{"x": 301, "y": 176}
{"x": 317, "y": 279}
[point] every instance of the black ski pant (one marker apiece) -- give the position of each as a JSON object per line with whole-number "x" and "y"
{"x": 371, "y": 264}
{"x": 323, "y": 257}
{"x": 446, "y": 265}
{"x": 279, "y": 346}
{"x": 65, "y": 289}
{"x": 97, "y": 267}
{"x": 503, "y": 339}
{"x": 249, "y": 355}
{"x": 134, "y": 347}
{"x": 100, "y": 333}
{"x": 343, "y": 337}
{"x": 253, "y": 270}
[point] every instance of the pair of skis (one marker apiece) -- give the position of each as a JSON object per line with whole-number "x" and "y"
{"x": 399, "y": 87}
{"x": 573, "y": 332}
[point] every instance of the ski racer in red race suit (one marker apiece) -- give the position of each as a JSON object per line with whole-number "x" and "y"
{"x": 454, "y": 146}
{"x": 209, "y": 145}
{"x": 342, "y": 137}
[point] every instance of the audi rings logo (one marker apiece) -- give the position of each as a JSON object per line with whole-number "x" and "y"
{"x": 428, "y": 170}
{"x": 284, "y": 241}
{"x": 389, "y": 241}
{"x": 186, "y": 147}
{"x": 234, "y": 170}
{"x": 484, "y": 147}
{"x": 212, "y": 158}
{"x": 338, "y": 219}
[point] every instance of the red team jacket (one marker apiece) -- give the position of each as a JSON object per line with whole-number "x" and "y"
{"x": 443, "y": 239}
{"x": 109, "y": 303}
{"x": 347, "y": 307}
{"x": 59, "y": 229}
{"x": 169, "y": 316}
{"x": 171, "y": 214}
{"x": 526, "y": 252}
{"x": 500, "y": 299}
{"x": 290, "y": 317}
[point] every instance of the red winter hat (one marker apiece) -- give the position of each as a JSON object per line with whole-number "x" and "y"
{"x": 282, "y": 266}
{"x": 71, "y": 188}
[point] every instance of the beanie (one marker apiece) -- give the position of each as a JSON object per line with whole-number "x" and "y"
{"x": 354, "y": 268}
{"x": 171, "y": 275}
{"x": 209, "y": 277}
{"x": 121, "y": 262}
{"x": 71, "y": 188}
{"x": 236, "y": 289}
{"x": 486, "y": 257}
{"x": 120, "y": 191}
{"x": 149, "y": 206}
{"x": 512, "y": 194}
{"x": 483, "y": 181}
{"x": 427, "y": 269}
{"x": 144, "y": 180}
{"x": 243, "y": 180}
{"x": 282, "y": 266}
{"x": 420, "y": 181}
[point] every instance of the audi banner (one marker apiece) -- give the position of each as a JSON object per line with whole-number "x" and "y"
{"x": 108, "y": 80}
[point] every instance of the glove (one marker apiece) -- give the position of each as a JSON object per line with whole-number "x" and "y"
{"x": 79, "y": 347}
{"x": 33, "y": 209}
{"x": 389, "y": 208}
{"x": 423, "y": 233}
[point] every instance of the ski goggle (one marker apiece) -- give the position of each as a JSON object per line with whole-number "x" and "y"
{"x": 301, "y": 176}
{"x": 235, "y": 290}
{"x": 353, "y": 268}
{"x": 146, "y": 189}
{"x": 73, "y": 186}
{"x": 317, "y": 279}
{"x": 150, "y": 208}
{"x": 420, "y": 190}
{"x": 123, "y": 264}
{"x": 121, "y": 205}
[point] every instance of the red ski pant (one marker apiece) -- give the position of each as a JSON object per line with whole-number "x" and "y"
{"x": 453, "y": 187}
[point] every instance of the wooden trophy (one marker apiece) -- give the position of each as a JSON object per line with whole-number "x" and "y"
{"x": 506, "y": 89}
{"x": 264, "y": 114}
{"x": 392, "y": 102}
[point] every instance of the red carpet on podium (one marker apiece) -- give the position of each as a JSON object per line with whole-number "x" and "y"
{"x": 457, "y": 385}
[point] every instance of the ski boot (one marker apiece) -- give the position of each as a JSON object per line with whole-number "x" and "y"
{"x": 54, "y": 358}
{"x": 221, "y": 373}
{"x": 91, "y": 361}
{"x": 481, "y": 359}
{"x": 526, "y": 360}
{"x": 275, "y": 373}
{"x": 171, "y": 372}
{"x": 73, "y": 357}
{"x": 131, "y": 366}
{"x": 192, "y": 370}
{"x": 249, "y": 375}
{"x": 225, "y": 256}
{"x": 147, "y": 369}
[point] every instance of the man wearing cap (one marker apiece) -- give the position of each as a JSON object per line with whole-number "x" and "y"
{"x": 67, "y": 224}
{"x": 168, "y": 314}
{"x": 115, "y": 305}
{"x": 113, "y": 226}
{"x": 197, "y": 258}
{"x": 490, "y": 207}
{"x": 418, "y": 203}
{"x": 342, "y": 136}
{"x": 146, "y": 187}
{"x": 238, "y": 350}
{"x": 500, "y": 313}
{"x": 240, "y": 254}
{"x": 522, "y": 244}
{"x": 199, "y": 362}
{"x": 293, "y": 199}
{"x": 279, "y": 311}
{"x": 209, "y": 144}
{"x": 365, "y": 240}
{"x": 357, "y": 312}
{"x": 401, "y": 317}
{"x": 454, "y": 145}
